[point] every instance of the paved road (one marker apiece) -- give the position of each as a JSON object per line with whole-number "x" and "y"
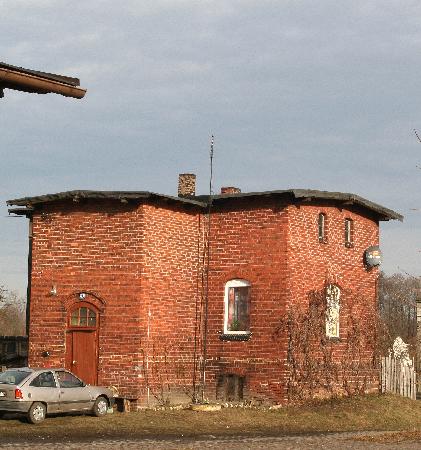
{"x": 333, "y": 441}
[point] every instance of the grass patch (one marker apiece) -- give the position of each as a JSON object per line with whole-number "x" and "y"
{"x": 373, "y": 412}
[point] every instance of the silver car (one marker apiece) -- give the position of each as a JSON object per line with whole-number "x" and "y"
{"x": 38, "y": 392}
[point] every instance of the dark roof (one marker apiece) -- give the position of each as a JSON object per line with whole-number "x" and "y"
{"x": 99, "y": 195}
{"x": 27, "y": 204}
{"x": 28, "y": 80}
{"x": 303, "y": 194}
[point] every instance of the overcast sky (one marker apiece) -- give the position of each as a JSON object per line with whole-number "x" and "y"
{"x": 299, "y": 94}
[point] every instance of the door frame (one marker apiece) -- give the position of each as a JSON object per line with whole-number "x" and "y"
{"x": 70, "y": 329}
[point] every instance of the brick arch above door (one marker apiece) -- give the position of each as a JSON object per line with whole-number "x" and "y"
{"x": 86, "y": 296}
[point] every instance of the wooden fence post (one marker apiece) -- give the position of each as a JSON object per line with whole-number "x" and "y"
{"x": 398, "y": 378}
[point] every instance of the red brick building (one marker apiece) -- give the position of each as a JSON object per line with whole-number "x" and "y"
{"x": 137, "y": 290}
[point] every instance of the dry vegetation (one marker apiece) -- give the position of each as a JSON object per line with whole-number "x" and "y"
{"x": 319, "y": 366}
{"x": 12, "y": 313}
{"x": 373, "y": 412}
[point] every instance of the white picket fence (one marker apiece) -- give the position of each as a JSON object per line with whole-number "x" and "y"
{"x": 398, "y": 378}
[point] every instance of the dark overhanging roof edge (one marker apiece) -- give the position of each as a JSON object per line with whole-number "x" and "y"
{"x": 203, "y": 200}
{"x": 351, "y": 198}
{"x": 90, "y": 194}
{"x": 298, "y": 194}
{"x": 20, "y": 211}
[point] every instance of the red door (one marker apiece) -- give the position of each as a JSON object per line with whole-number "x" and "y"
{"x": 82, "y": 343}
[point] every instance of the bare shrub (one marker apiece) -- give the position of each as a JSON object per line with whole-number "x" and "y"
{"x": 398, "y": 295}
{"x": 321, "y": 366}
{"x": 12, "y": 313}
{"x": 167, "y": 374}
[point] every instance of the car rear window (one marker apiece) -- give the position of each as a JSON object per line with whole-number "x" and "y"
{"x": 13, "y": 376}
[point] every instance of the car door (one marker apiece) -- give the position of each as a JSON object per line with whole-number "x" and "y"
{"x": 43, "y": 388}
{"x": 74, "y": 394}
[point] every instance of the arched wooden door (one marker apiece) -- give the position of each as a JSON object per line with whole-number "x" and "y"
{"x": 82, "y": 342}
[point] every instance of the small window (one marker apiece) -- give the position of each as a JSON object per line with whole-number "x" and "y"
{"x": 349, "y": 232}
{"x": 45, "y": 379}
{"x": 83, "y": 317}
{"x": 322, "y": 228}
{"x": 237, "y": 306}
{"x": 333, "y": 294}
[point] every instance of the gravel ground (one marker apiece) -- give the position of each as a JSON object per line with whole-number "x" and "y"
{"x": 319, "y": 441}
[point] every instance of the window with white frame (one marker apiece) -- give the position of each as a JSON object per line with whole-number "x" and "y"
{"x": 237, "y": 307}
{"x": 333, "y": 295}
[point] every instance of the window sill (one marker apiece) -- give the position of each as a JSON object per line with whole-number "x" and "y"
{"x": 235, "y": 337}
{"x": 333, "y": 339}
{"x": 349, "y": 244}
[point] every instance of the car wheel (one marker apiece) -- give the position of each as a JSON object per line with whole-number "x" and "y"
{"x": 37, "y": 412}
{"x": 100, "y": 407}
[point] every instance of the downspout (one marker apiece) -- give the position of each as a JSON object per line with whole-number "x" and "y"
{"x": 28, "y": 289}
{"x": 147, "y": 356}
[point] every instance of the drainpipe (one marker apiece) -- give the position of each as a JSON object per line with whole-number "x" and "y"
{"x": 147, "y": 356}
{"x": 28, "y": 289}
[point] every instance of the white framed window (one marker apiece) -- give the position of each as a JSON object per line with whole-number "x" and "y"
{"x": 333, "y": 295}
{"x": 237, "y": 307}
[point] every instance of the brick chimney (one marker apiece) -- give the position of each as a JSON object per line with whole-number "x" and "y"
{"x": 230, "y": 190}
{"x": 186, "y": 184}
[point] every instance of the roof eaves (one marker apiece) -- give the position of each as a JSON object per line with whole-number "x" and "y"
{"x": 77, "y": 195}
{"x": 381, "y": 211}
{"x": 27, "y": 80}
{"x": 203, "y": 200}
{"x": 73, "y": 81}
{"x": 348, "y": 198}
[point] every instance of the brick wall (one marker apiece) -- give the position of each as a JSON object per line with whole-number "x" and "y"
{"x": 249, "y": 241}
{"x": 142, "y": 266}
{"x": 312, "y": 264}
{"x": 83, "y": 247}
{"x": 170, "y": 294}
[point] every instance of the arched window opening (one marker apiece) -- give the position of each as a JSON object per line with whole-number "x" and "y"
{"x": 333, "y": 295}
{"x": 322, "y": 228}
{"x": 237, "y": 307}
{"x": 83, "y": 316}
{"x": 349, "y": 232}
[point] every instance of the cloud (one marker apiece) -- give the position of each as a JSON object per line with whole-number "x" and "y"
{"x": 298, "y": 94}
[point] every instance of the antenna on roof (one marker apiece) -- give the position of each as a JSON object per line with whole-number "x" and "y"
{"x": 206, "y": 269}
{"x": 211, "y": 166}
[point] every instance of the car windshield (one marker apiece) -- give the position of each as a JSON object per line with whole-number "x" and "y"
{"x": 13, "y": 376}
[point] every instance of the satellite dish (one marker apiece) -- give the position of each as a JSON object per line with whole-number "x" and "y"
{"x": 373, "y": 256}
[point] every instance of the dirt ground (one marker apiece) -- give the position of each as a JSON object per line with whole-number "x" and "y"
{"x": 381, "y": 413}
